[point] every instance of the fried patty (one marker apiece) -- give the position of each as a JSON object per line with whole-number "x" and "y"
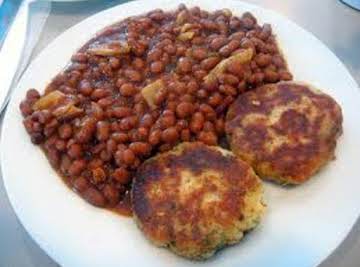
{"x": 285, "y": 131}
{"x": 196, "y": 199}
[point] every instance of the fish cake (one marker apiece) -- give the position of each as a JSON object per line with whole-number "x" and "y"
{"x": 196, "y": 199}
{"x": 285, "y": 131}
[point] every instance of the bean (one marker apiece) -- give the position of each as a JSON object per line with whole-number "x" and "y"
{"x": 80, "y": 184}
{"x": 226, "y": 50}
{"x": 208, "y": 111}
{"x": 197, "y": 122}
{"x": 54, "y": 157}
{"x": 143, "y": 133}
{"x": 96, "y": 149}
{"x": 228, "y": 79}
{"x": 25, "y": 108}
{"x": 248, "y": 23}
{"x": 184, "y": 109}
{"x": 111, "y": 145}
{"x": 263, "y": 60}
{"x": 95, "y": 163}
{"x": 180, "y": 50}
{"x": 170, "y": 49}
{"x": 208, "y": 126}
{"x": 236, "y": 69}
{"x": 86, "y": 131}
{"x": 140, "y": 148}
{"x": 155, "y": 137}
{"x": 138, "y": 63}
{"x": 128, "y": 89}
{"x": 99, "y": 93}
{"x": 167, "y": 121}
{"x": 228, "y": 89}
{"x": 278, "y": 61}
{"x": 200, "y": 74}
{"x": 128, "y": 123}
{"x": 120, "y": 82}
{"x": 105, "y": 155}
{"x": 65, "y": 163}
{"x": 218, "y": 42}
{"x": 98, "y": 175}
{"x": 184, "y": 65}
{"x": 259, "y": 77}
{"x": 37, "y": 138}
{"x": 103, "y": 130}
{"x": 105, "y": 102}
{"x": 76, "y": 167}
{"x": 170, "y": 135}
{"x": 120, "y": 137}
{"x": 171, "y": 105}
{"x": 247, "y": 43}
{"x": 202, "y": 94}
{"x": 176, "y": 87}
{"x": 181, "y": 124}
{"x": 209, "y": 24}
{"x": 198, "y": 40}
{"x": 215, "y": 99}
{"x": 271, "y": 76}
{"x": 154, "y": 54}
{"x": 37, "y": 127}
{"x": 79, "y": 57}
{"x": 60, "y": 145}
{"x": 157, "y": 67}
{"x": 94, "y": 197}
{"x": 208, "y": 138}
{"x": 121, "y": 175}
{"x": 237, "y": 35}
{"x": 121, "y": 112}
{"x": 192, "y": 87}
{"x": 146, "y": 121}
{"x": 138, "y": 49}
{"x": 75, "y": 151}
{"x": 199, "y": 53}
{"x": 128, "y": 157}
{"x": 285, "y": 75}
{"x": 114, "y": 63}
{"x": 96, "y": 111}
{"x": 168, "y": 112}
{"x": 32, "y": 94}
{"x": 114, "y": 126}
{"x": 133, "y": 75}
{"x": 265, "y": 32}
{"x": 209, "y": 63}
{"x": 111, "y": 194}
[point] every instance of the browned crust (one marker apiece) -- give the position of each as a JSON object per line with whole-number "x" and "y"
{"x": 306, "y": 114}
{"x": 178, "y": 218}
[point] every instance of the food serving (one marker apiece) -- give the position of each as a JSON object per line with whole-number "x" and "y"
{"x": 196, "y": 199}
{"x": 285, "y": 131}
{"x": 140, "y": 87}
{"x": 112, "y": 121}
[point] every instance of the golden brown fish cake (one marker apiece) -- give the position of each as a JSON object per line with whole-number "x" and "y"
{"x": 196, "y": 199}
{"x": 285, "y": 131}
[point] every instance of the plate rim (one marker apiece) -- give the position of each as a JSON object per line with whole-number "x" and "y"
{"x": 92, "y": 17}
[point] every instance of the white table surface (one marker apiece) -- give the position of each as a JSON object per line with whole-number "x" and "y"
{"x": 337, "y": 25}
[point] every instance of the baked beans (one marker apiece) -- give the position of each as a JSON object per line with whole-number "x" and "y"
{"x": 140, "y": 87}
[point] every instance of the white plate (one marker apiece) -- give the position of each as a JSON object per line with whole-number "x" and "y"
{"x": 303, "y": 225}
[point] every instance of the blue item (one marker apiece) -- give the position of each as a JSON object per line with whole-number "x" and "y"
{"x": 8, "y": 11}
{"x": 352, "y": 3}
